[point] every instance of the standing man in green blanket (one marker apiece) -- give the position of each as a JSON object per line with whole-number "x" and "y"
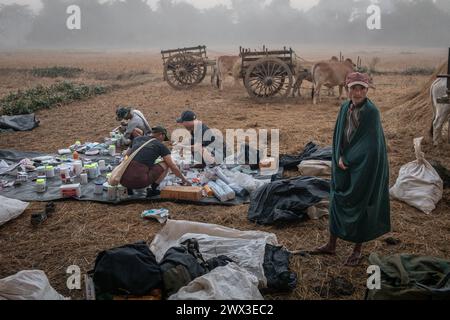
{"x": 359, "y": 198}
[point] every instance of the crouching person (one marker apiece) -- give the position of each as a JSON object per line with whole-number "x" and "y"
{"x": 142, "y": 172}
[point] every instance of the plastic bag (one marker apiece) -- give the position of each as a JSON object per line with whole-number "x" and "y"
{"x": 418, "y": 184}
{"x": 238, "y": 190}
{"x": 223, "y": 283}
{"x": 244, "y": 180}
{"x": 11, "y": 209}
{"x": 28, "y": 285}
{"x": 246, "y": 248}
{"x": 230, "y": 193}
{"x": 221, "y": 190}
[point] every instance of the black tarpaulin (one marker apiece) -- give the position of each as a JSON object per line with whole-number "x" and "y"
{"x": 287, "y": 200}
{"x": 310, "y": 152}
{"x": 23, "y": 122}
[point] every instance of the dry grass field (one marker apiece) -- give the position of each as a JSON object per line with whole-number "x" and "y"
{"x": 80, "y": 230}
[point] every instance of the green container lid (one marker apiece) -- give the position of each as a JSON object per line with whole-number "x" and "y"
{"x": 40, "y": 181}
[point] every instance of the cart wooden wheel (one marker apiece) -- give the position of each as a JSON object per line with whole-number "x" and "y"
{"x": 268, "y": 79}
{"x": 184, "y": 70}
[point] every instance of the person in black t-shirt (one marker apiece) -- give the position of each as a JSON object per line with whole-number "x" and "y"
{"x": 188, "y": 119}
{"x": 142, "y": 170}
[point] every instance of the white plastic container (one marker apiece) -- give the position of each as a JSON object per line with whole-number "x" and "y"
{"x": 22, "y": 177}
{"x": 77, "y": 167}
{"x": 122, "y": 192}
{"x": 112, "y": 150}
{"x": 112, "y": 193}
{"x": 92, "y": 171}
{"x": 50, "y": 171}
{"x": 40, "y": 170}
{"x": 102, "y": 165}
{"x": 40, "y": 185}
{"x": 98, "y": 188}
{"x": 84, "y": 178}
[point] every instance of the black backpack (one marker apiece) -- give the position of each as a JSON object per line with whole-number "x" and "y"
{"x": 131, "y": 269}
{"x": 180, "y": 265}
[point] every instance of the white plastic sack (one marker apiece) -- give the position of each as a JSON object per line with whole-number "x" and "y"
{"x": 244, "y": 180}
{"x": 229, "y": 192}
{"x": 28, "y": 285}
{"x": 247, "y": 253}
{"x": 218, "y": 191}
{"x": 234, "y": 186}
{"x": 11, "y": 209}
{"x": 246, "y": 248}
{"x": 223, "y": 283}
{"x": 418, "y": 184}
{"x": 315, "y": 168}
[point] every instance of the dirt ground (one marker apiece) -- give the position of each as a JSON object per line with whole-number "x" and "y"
{"x": 78, "y": 231}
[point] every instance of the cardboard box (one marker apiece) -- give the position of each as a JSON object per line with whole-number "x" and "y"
{"x": 70, "y": 190}
{"x": 182, "y": 193}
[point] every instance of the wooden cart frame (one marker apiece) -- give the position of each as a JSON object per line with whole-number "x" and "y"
{"x": 185, "y": 67}
{"x": 267, "y": 75}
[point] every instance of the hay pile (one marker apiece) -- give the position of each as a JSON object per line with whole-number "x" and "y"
{"x": 414, "y": 115}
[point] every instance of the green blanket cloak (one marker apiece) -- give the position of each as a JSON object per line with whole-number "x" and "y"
{"x": 359, "y": 199}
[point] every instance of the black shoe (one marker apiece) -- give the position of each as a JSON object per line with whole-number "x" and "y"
{"x": 49, "y": 208}
{"x": 38, "y": 217}
{"x": 152, "y": 193}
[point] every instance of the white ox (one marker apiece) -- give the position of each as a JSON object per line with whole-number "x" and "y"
{"x": 226, "y": 66}
{"x": 441, "y": 111}
{"x": 330, "y": 74}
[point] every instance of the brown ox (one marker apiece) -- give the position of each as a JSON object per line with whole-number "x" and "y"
{"x": 225, "y": 66}
{"x": 303, "y": 72}
{"x": 330, "y": 74}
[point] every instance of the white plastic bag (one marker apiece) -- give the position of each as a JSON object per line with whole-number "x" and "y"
{"x": 247, "y": 253}
{"x": 315, "y": 168}
{"x": 229, "y": 192}
{"x": 244, "y": 180}
{"x": 246, "y": 248}
{"x": 223, "y": 283}
{"x": 218, "y": 191}
{"x": 220, "y": 173}
{"x": 418, "y": 184}
{"x": 28, "y": 285}
{"x": 11, "y": 209}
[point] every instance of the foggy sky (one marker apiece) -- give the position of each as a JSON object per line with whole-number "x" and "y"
{"x": 178, "y": 23}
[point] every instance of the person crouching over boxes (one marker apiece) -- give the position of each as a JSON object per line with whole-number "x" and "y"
{"x": 142, "y": 171}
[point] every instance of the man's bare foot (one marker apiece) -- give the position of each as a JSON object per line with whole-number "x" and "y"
{"x": 325, "y": 249}
{"x": 354, "y": 259}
